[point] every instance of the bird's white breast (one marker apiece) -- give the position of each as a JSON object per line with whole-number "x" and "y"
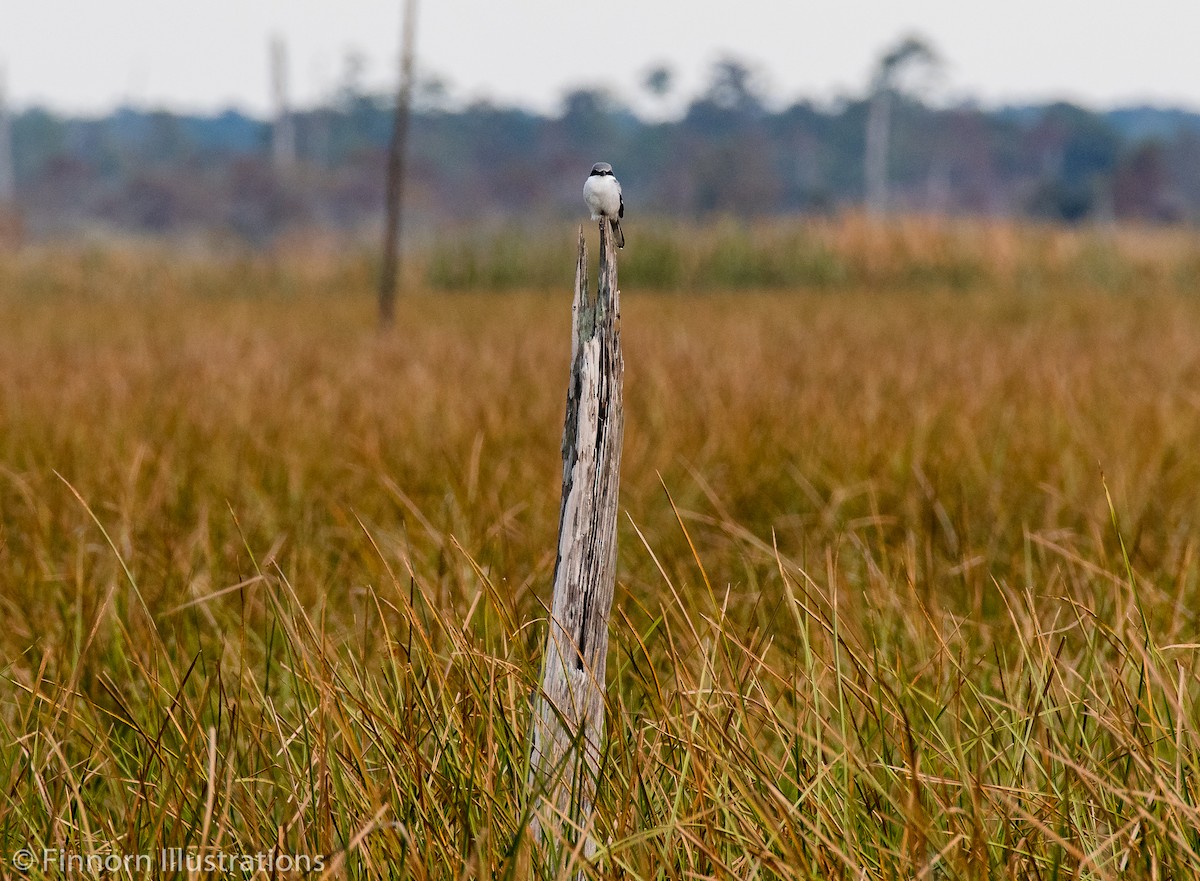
{"x": 602, "y": 194}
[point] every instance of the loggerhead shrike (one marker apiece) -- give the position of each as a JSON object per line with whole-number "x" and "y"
{"x": 602, "y": 192}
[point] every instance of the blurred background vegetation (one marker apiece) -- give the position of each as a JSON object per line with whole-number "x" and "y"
{"x": 736, "y": 150}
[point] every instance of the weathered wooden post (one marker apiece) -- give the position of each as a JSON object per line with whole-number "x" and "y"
{"x": 568, "y": 721}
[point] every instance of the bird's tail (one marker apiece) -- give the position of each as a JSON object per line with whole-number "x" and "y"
{"x": 617, "y": 234}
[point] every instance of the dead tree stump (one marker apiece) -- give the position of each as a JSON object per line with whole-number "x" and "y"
{"x": 568, "y": 721}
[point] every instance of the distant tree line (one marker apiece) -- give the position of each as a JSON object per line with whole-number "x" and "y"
{"x": 731, "y": 152}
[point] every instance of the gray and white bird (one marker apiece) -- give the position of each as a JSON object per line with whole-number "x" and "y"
{"x": 602, "y": 192}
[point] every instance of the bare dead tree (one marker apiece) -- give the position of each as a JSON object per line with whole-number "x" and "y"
{"x": 908, "y": 52}
{"x": 389, "y": 276}
{"x": 8, "y": 184}
{"x": 283, "y": 133}
{"x": 879, "y": 121}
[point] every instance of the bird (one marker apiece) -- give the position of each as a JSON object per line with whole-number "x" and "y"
{"x": 602, "y": 193}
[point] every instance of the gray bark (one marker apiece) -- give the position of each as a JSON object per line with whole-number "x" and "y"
{"x": 390, "y": 274}
{"x": 8, "y": 189}
{"x": 568, "y": 720}
{"x": 879, "y": 118}
{"x": 283, "y": 132}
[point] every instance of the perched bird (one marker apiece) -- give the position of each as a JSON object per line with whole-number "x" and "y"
{"x": 602, "y": 192}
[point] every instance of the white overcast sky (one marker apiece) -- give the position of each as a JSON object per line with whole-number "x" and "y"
{"x": 87, "y": 56}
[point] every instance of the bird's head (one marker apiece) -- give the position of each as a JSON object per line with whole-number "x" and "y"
{"x": 601, "y": 168}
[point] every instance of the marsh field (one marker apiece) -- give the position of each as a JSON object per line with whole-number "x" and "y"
{"x": 907, "y": 584}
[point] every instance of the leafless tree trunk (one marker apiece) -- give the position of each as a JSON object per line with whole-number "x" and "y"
{"x": 879, "y": 119}
{"x": 283, "y": 133}
{"x": 568, "y": 720}
{"x": 907, "y": 53}
{"x": 8, "y": 186}
{"x": 395, "y": 171}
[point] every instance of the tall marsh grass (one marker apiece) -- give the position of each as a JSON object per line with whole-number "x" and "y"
{"x": 844, "y": 253}
{"x": 907, "y": 582}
